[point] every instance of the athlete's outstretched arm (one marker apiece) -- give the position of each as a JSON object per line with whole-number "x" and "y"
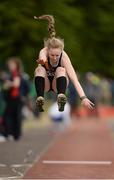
{"x": 72, "y": 75}
{"x": 42, "y": 56}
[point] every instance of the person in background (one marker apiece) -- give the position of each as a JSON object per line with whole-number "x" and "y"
{"x": 112, "y": 91}
{"x": 3, "y": 76}
{"x": 91, "y": 86}
{"x": 73, "y": 99}
{"x": 55, "y": 70}
{"x": 12, "y": 114}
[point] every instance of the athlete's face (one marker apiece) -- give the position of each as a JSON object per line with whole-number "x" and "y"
{"x": 54, "y": 54}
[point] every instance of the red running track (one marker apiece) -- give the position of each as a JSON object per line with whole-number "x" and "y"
{"x": 85, "y": 151}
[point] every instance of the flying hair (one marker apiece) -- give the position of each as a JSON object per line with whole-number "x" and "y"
{"x": 51, "y": 22}
{"x": 52, "y": 41}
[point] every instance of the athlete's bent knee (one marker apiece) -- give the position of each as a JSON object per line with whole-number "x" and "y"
{"x": 40, "y": 71}
{"x": 61, "y": 71}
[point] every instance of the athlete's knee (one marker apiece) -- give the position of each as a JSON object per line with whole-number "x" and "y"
{"x": 40, "y": 71}
{"x": 61, "y": 71}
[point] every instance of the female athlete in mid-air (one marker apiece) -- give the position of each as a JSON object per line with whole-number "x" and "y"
{"x": 55, "y": 69}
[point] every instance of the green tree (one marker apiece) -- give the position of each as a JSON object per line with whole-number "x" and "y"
{"x": 87, "y": 28}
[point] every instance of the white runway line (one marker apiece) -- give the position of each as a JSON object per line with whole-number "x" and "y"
{"x": 11, "y": 177}
{"x": 78, "y": 162}
{"x": 3, "y": 165}
{"x": 20, "y": 178}
{"x": 20, "y": 165}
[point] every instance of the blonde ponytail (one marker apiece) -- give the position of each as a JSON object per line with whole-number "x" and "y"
{"x": 51, "y": 23}
{"x": 52, "y": 41}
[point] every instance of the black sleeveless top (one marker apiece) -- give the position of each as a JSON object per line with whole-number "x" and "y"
{"x": 51, "y": 71}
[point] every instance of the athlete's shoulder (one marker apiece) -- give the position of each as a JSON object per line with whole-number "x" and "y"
{"x": 65, "y": 55}
{"x": 43, "y": 54}
{"x": 65, "y": 58}
{"x": 44, "y": 50}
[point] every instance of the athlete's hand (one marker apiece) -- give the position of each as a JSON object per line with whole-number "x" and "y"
{"x": 87, "y": 103}
{"x": 42, "y": 62}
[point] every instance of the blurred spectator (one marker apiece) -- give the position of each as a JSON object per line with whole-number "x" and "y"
{"x": 12, "y": 114}
{"x": 32, "y": 94}
{"x": 2, "y": 108}
{"x": 112, "y": 91}
{"x": 25, "y": 86}
{"x": 25, "y": 89}
{"x": 106, "y": 91}
{"x": 91, "y": 87}
{"x": 73, "y": 99}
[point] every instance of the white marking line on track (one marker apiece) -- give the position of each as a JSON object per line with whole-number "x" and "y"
{"x": 78, "y": 162}
{"x": 10, "y": 177}
{"x": 3, "y": 165}
{"x": 20, "y": 165}
{"x": 18, "y": 178}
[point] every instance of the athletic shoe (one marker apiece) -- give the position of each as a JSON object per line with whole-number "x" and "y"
{"x": 61, "y": 100}
{"x": 40, "y": 103}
